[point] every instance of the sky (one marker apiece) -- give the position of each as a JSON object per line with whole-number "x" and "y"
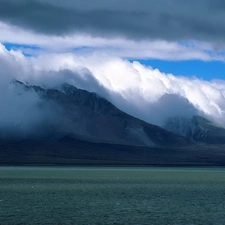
{"x": 179, "y": 37}
{"x": 145, "y": 54}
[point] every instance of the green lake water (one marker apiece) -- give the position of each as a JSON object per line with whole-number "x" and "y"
{"x": 107, "y": 195}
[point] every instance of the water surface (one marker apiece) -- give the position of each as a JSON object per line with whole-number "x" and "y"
{"x": 107, "y": 195}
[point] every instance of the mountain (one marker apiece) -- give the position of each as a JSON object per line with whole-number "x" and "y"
{"x": 79, "y": 127}
{"x": 197, "y": 128}
{"x": 89, "y": 117}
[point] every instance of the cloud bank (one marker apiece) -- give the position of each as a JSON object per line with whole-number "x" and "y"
{"x": 141, "y": 91}
{"x": 171, "y": 20}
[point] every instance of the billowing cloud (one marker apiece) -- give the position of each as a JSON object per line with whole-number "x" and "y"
{"x": 171, "y": 20}
{"x": 134, "y": 88}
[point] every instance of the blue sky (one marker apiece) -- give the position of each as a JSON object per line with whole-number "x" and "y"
{"x": 27, "y": 50}
{"x": 197, "y": 68}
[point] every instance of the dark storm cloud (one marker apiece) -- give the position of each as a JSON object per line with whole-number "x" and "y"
{"x": 135, "y": 19}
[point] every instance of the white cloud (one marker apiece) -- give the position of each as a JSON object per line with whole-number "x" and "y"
{"x": 134, "y": 88}
{"x": 85, "y": 45}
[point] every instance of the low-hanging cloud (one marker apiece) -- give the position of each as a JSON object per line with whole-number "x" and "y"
{"x": 20, "y": 114}
{"x": 134, "y": 88}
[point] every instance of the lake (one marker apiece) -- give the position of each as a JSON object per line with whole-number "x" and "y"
{"x": 112, "y": 195}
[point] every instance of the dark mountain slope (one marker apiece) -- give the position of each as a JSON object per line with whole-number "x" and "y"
{"x": 89, "y": 117}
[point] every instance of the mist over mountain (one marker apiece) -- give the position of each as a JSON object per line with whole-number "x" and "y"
{"x": 66, "y": 110}
{"x": 86, "y": 116}
{"x": 67, "y": 125}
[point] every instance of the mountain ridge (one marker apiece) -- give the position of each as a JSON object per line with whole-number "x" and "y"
{"x": 86, "y": 110}
{"x": 89, "y": 129}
